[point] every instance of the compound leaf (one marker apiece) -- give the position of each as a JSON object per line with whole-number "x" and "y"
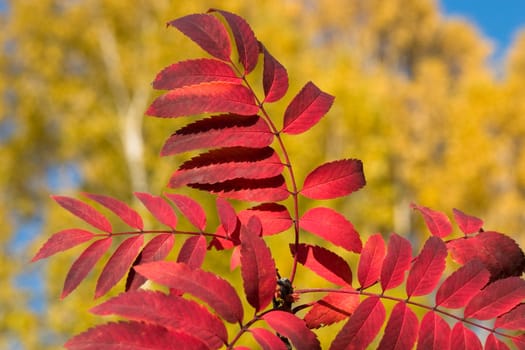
{"x": 194, "y": 72}
{"x": 306, "y": 109}
{"x": 514, "y": 319}
{"x": 85, "y": 212}
{"x": 254, "y": 190}
{"x": 463, "y": 338}
{"x": 208, "y": 287}
{"x": 257, "y": 268}
{"x": 397, "y": 261}
{"x": 434, "y": 333}
{"x": 362, "y": 327}
{"x": 275, "y": 78}
{"x": 493, "y": 343}
{"x": 212, "y": 97}
{"x": 247, "y": 44}
{"x": 496, "y": 299}
{"x": 467, "y": 223}
{"x": 267, "y": 340}
{"x": 119, "y": 208}
{"x": 331, "y": 226}
{"x": 499, "y": 253}
{"x": 190, "y": 208}
{"x": 226, "y": 130}
{"x": 170, "y": 311}
{"x": 428, "y": 268}
{"x": 437, "y": 222}
{"x": 207, "y": 32}
{"x": 334, "y": 179}
{"x": 156, "y": 249}
{"x": 61, "y": 241}
{"x": 227, "y": 215}
{"x": 371, "y": 260}
{"x": 118, "y": 264}
{"x": 401, "y": 329}
{"x": 457, "y": 290}
{"x": 323, "y": 262}
{"x": 83, "y": 264}
{"x": 160, "y": 209}
{"x": 134, "y": 335}
{"x": 333, "y": 307}
{"x": 227, "y": 164}
{"x": 293, "y": 328}
{"x": 193, "y": 251}
{"x": 274, "y": 217}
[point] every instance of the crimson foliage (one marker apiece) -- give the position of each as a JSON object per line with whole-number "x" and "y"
{"x": 245, "y": 158}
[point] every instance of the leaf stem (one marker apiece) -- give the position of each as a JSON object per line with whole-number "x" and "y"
{"x": 288, "y": 164}
{"x": 407, "y": 301}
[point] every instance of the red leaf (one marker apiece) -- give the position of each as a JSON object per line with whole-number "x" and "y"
{"x": 121, "y": 209}
{"x": 118, "y": 264}
{"x": 334, "y": 307}
{"x": 193, "y": 252}
{"x": 428, "y": 268}
{"x": 467, "y": 224}
{"x": 397, "y": 261}
{"x": 84, "y": 212}
{"x": 463, "y": 338}
{"x": 227, "y": 130}
{"x": 493, "y": 343}
{"x": 514, "y": 319}
{"x": 208, "y": 287}
{"x": 323, "y": 262}
{"x": 274, "y": 217}
{"x": 171, "y": 312}
{"x": 84, "y": 264}
{"x": 213, "y": 97}
{"x": 519, "y": 341}
{"x": 434, "y": 333}
{"x": 160, "y": 209}
{"x": 362, "y": 327}
{"x": 457, "y": 290}
{"x": 226, "y": 215}
{"x": 257, "y": 269}
{"x": 275, "y": 78}
{"x": 293, "y": 328}
{"x": 207, "y": 32}
{"x": 133, "y": 335}
{"x": 332, "y": 226}
{"x": 156, "y": 249}
{"x": 247, "y": 45}
{"x": 496, "y": 299}
{"x": 228, "y": 164}
{"x": 190, "y": 209}
{"x": 437, "y": 222}
{"x": 267, "y": 340}
{"x": 334, "y": 179}
{"x": 401, "y": 329}
{"x": 306, "y": 109}
{"x": 61, "y": 241}
{"x": 193, "y": 72}
{"x": 253, "y": 190}
{"x": 235, "y": 259}
{"x": 371, "y": 260}
{"x": 499, "y": 253}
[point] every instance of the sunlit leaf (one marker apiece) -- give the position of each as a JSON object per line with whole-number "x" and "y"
{"x": 334, "y": 179}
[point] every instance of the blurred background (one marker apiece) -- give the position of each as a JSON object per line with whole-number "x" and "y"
{"x": 430, "y": 95}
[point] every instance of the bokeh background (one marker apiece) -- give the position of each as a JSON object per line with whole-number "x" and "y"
{"x": 433, "y": 106}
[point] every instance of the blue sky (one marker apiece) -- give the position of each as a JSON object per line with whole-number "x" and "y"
{"x": 497, "y": 20}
